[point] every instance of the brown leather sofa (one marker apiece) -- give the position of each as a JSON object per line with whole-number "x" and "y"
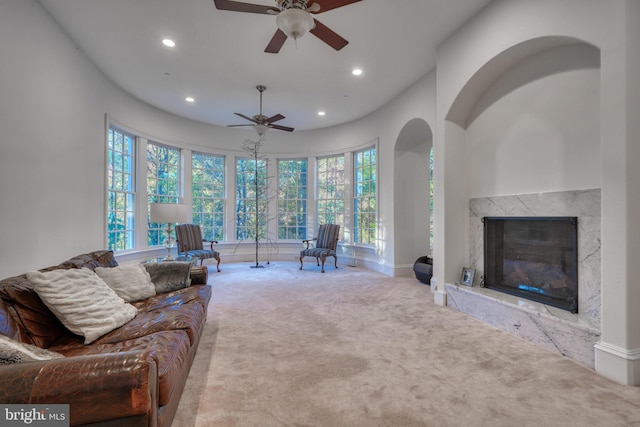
{"x": 132, "y": 376}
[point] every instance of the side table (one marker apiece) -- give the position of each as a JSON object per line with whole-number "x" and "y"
{"x": 199, "y": 274}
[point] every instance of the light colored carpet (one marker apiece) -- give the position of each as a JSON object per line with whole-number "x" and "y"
{"x": 351, "y": 347}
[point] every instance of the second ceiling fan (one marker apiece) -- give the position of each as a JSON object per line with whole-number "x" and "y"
{"x": 262, "y": 123}
{"x": 293, "y": 19}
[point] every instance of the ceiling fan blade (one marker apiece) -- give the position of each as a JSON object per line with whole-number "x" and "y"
{"x": 284, "y": 128}
{"x": 331, "y": 4}
{"x": 276, "y": 42}
{"x": 328, "y": 36}
{"x": 244, "y": 7}
{"x": 275, "y": 118}
{"x": 236, "y": 126}
{"x": 245, "y": 117}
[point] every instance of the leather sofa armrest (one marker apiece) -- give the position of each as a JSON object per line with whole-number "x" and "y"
{"x": 97, "y": 387}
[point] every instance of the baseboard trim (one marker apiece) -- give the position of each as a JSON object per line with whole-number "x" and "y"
{"x": 440, "y": 297}
{"x": 619, "y": 364}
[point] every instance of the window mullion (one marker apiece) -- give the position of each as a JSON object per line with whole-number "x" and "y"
{"x": 142, "y": 208}
{"x": 272, "y": 197}
{"x": 348, "y": 197}
{"x": 185, "y": 177}
{"x": 312, "y": 194}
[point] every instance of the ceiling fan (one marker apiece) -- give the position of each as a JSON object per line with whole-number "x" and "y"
{"x": 293, "y": 19}
{"x": 261, "y": 122}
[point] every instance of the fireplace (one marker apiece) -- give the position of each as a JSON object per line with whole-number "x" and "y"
{"x": 535, "y": 258}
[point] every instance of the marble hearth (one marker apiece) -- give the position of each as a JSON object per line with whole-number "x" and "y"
{"x": 573, "y": 335}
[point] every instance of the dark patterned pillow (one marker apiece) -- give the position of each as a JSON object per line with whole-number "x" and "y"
{"x": 91, "y": 260}
{"x": 12, "y": 351}
{"x": 169, "y": 276}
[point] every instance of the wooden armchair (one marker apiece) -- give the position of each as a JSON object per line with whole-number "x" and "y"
{"x": 325, "y": 245}
{"x": 191, "y": 243}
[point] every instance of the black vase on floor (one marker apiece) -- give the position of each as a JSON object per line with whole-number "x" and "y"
{"x": 423, "y": 267}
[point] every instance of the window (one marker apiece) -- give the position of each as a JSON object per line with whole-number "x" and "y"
{"x": 142, "y": 171}
{"x": 330, "y": 201}
{"x": 431, "y": 198}
{"x": 163, "y": 183}
{"x": 207, "y": 190}
{"x": 292, "y": 199}
{"x": 365, "y": 203}
{"x": 251, "y": 199}
{"x": 120, "y": 190}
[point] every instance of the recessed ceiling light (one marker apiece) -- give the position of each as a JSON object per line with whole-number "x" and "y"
{"x": 189, "y": 99}
{"x": 168, "y": 43}
{"x": 357, "y": 71}
{"x": 321, "y": 113}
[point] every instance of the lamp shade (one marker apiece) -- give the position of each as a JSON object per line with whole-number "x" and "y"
{"x": 261, "y": 129}
{"x": 295, "y": 22}
{"x": 169, "y": 213}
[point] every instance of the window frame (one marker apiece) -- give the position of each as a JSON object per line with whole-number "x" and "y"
{"x": 322, "y": 216}
{"x": 300, "y": 202}
{"x": 431, "y": 200}
{"x": 156, "y": 231}
{"x": 216, "y": 230}
{"x": 250, "y": 201}
{"x": 129, "y": 195}
{"x": 358, "y": 200}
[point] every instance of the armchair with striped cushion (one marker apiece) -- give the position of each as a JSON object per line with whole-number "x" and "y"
{"x": 325, "y": 245}
{"x": 191, "y": 243}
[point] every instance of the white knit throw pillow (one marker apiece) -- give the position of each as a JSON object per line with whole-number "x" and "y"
{"x": 82, "y": 301}
{"x": 131, "y": 282}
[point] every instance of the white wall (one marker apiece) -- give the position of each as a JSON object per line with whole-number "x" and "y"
{"x": 53, "y": 107}
{"x": 526, "y": 28}
{"x": 411, "y": 189}
{"x": 501, "y": 36}
{"x": 51, "y": 127}
{"x": 542, "y": 137}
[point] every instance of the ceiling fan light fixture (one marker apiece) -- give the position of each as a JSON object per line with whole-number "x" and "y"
{"x": 295, "y": 22}
{"x": 261, "y": 129}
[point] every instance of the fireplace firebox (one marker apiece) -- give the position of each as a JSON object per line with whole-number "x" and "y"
{"x": 535, "y": 258}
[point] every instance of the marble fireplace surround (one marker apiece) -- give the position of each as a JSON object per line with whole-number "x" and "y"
{"x": 573, "y": 335}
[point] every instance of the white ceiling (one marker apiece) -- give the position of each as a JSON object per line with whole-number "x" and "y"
{"x": 219, "y": 57}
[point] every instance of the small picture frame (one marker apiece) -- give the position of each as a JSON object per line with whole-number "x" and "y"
{"x": 467, "y": 276}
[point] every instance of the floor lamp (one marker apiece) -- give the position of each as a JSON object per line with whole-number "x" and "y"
{"x": 169, "y": 213}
